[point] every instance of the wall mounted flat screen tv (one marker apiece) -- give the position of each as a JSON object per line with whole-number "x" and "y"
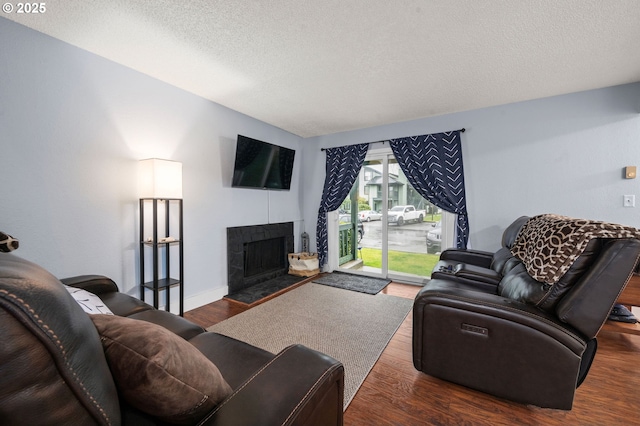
{"x": 262, "y": 165}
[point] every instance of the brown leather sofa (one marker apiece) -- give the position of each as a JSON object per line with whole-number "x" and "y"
{"x": 480, "y": 268}
{"x": 54, "y": 368}
{"x": 522, "y": 339}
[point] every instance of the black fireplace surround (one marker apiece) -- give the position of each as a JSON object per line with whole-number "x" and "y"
{"x": 257, "y": 253}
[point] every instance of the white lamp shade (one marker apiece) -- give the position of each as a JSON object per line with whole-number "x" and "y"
{"x": 159, "y": 178}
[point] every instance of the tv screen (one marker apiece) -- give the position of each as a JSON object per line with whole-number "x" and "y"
{"x": 262, "y": 165}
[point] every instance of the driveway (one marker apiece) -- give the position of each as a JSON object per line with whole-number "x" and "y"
{"x": 411, "y": 237}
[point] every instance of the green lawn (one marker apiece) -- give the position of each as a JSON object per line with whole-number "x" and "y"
{"x": 399, "y": 261}
{"x": 433, "y": 217}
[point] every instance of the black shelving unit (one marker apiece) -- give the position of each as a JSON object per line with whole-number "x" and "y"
{"x": 161, "y": 275}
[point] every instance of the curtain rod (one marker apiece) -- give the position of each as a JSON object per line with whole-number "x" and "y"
{"x": 459, "y": 130}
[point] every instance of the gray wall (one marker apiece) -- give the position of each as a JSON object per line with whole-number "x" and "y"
{"x": 560, "y": 155}
{"x": 72, "y": 129}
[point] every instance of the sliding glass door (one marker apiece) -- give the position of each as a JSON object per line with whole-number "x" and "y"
{"x": 400, "y": 233}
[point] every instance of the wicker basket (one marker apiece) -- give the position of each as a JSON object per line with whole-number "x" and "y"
{"x": 303, "y": 264}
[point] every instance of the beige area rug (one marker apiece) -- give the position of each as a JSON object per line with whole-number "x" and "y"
{"x": 352, "y": 327}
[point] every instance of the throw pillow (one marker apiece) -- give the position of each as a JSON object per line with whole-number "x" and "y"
{"x": 89, "y": 302}
{"x": 158, "y": 372}
{"x": 8, "y": 243}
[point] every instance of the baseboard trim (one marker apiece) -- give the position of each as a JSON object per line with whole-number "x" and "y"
{"x": 205, "y": 298}
{"x": 198, "y": 300}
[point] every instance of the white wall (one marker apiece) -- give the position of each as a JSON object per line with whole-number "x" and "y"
{"x": 72, "y": 128}
{"x": 561, "y": 155}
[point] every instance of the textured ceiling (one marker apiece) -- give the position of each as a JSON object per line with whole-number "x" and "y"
{"x": 321, "y": 67}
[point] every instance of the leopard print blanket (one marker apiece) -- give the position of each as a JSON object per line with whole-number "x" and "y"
{"x": 549, "y": 244}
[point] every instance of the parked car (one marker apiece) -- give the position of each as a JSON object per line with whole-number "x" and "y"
{"x": 404, "y": 214}
{"x": 369, "y": 215}
{"x": 434, "y": 241}
{"x": 344, "y": 219}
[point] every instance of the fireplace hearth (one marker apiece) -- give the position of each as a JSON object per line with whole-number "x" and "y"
{"x": 257, "y": 253}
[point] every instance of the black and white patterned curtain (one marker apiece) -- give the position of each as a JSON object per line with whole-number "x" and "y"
{"x": 433, "y": 165}
{"x": 343, "y": 166}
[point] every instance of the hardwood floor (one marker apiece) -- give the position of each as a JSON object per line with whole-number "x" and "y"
{"x": 394, "y": 393}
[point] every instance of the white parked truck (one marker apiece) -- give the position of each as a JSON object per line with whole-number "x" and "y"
{"x": 404, "y": 214}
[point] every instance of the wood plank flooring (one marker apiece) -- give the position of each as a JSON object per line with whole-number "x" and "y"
{"x": 394, "y": 393}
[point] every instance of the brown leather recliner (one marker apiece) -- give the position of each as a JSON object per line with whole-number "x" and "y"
{"x": 522, "y": 340}
{"x": 482, "y": 268}
{"x": 53, "y": 368}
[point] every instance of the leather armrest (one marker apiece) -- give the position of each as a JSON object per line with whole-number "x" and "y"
{"x": 299, "y": 386}
{"x": 96, "y": 284}
{"x": 499, "y": 311}
{"x": 466, "y": 273}
{"x": 174, "y": 323}
{"x": 479, "y": 258}
{"x": 478, "y": 273}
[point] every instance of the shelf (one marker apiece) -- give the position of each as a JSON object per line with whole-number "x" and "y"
{"x": 162, "y": 283}
{"x": 165, "y": 258}
{"x": 151, "y": 243}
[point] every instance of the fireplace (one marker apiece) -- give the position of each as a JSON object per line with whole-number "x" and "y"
{"x": 264, "y": 256}
{"x": 257, "y": 253}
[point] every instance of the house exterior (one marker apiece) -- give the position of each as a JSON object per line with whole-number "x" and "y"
{"x": 370, "y": 187}
{"x": 400, "y": 193}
